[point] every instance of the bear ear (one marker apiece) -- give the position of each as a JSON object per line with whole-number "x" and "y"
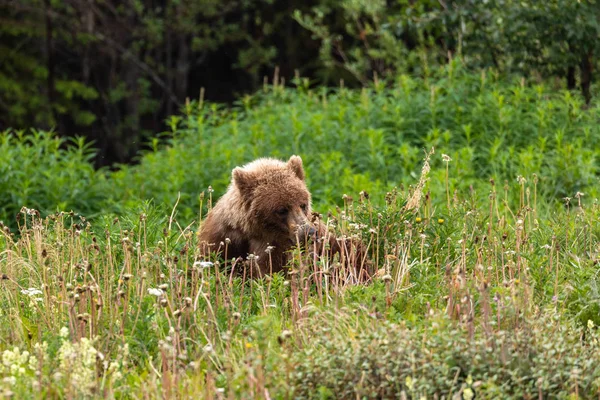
{"x": 242, "y": 180}
{"x": 295, "y": 164}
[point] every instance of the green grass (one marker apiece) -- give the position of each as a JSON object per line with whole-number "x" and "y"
{"x": 483, "y": 288}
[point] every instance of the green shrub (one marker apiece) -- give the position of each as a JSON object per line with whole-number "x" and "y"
{"x": 371, "y": 140}
{"x": 439, "y": 359}
{"x": 44, "y": 172}
{"x": 490, "y": 126}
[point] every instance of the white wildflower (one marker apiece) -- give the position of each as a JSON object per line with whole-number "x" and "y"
{"x": 203, "y": 264}
{"x": 31, "y": 291}
{"x": 155, "y": 292}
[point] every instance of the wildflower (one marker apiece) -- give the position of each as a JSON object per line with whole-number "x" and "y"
{"x": 155, "y": 292}
{"x": 78, "y": 364}
{"x": 248, "y": 345}
{"x": 10, "y": 380}
{"x": 286, "y": 333}
{"x": 203, "y": 264}
{"x": 31, "y": 291}
{"x": 446, "y": 158}
{"x": 440, "y": 221}
{"x": 64, "y": 332}
{"x": 590, "y": 324}
{"x": 418, "y": 219}
{"x": 468, "y": 394}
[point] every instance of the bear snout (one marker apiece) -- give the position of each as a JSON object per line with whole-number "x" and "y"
{"x": 306, "y": 231}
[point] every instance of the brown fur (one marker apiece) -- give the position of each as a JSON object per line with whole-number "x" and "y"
{"x": 267, "y": 204}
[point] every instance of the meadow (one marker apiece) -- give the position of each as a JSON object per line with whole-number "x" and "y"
{"x": 474, "y": 192}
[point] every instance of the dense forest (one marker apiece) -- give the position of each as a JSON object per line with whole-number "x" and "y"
{"x": 112, "y": 71}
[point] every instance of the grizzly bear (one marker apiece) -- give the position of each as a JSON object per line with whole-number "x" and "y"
{"x": 265, "y": 212}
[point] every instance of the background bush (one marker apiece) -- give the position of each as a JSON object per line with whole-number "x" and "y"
{"x": 47, "y": 173}
{"x": 491, "y": 126}
{"x": 373, "y": 139}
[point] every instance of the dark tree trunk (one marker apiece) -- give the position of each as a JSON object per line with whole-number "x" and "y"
{"x": 130, "y": 130}
{"x": 169, "y": 66}
{"x": 586, "y": 76}
{"x": 182, "y": 68}
{"x": 50, "y": 64}
{"x": 571, "y": 82}
{"x": 89, "y": 27}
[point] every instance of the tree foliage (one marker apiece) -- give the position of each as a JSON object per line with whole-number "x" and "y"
{"x": 557, "y": 38}
{"x": 114, "y": 70}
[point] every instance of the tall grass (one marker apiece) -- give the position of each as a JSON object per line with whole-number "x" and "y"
{"x": 474, "y": 298}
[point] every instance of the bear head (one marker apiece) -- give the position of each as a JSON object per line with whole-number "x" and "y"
{"x": 276, "y": 199}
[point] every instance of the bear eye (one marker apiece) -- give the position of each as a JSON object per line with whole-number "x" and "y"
{"x": 282, "y": 212}
{"x": 303, "y": 207}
